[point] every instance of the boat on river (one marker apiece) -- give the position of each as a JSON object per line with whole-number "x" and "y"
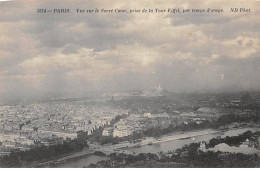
{"x": 185, "y": 138}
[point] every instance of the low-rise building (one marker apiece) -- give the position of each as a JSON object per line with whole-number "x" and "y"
{"x": 147, "y": 115}
{"x": 8, "y": 144}
{"x": 121, "y": 129}
{"x": 108, "y": 131}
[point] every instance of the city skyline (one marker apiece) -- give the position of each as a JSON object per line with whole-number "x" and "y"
{"x": 129, "y": 84}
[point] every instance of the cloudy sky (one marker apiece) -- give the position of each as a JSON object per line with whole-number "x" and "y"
{"x": 68, "y": 55}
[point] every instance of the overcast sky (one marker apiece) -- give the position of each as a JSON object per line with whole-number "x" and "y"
{"x": 73, "y": 54}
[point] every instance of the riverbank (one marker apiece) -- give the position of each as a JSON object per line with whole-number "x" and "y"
{"x": 187, "y": 137}
{"x": 122, "y": 147}
{"x": 62, "y": 159}
{"x": 126, "y": 146}
{"x": 150, "y": 140}
{"x": 181, "y": 136}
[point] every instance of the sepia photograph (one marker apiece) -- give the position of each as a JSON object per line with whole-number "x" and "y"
{"x": 129, "y": 84}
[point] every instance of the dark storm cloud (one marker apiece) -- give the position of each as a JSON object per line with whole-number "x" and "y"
{"x": 73, "y": 54}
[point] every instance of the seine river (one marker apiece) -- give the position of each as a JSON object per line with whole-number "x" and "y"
{"x": 81, "y": 162}
{"x": 155, "y": 148}
{"x": 175, "y": 144}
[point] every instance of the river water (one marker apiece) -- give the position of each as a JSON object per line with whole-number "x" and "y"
{"x": 81, "y": 162}
{"x": 175, "y": 144}
{"x": 155, "y": 148}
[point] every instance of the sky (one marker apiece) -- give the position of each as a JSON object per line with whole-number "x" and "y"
{"x": 73, "y": 55}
